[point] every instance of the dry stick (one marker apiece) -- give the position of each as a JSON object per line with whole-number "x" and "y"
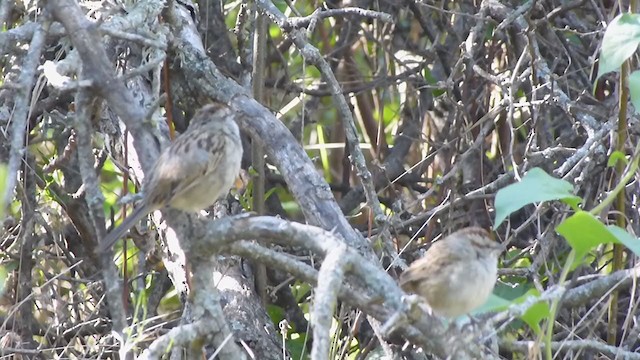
{"x": 510, "y": 114}
{"x": 330, "y": 277}
{"x": 178, "y": 336}
{"x": 94, "y": 199}
{"x": 18, "y": 155}
{"x": 291, "y": 265}
{"x": 99, "y": 70}
{"x": 36, "y": 291}
{"x": 490, "y": 188}
{"x": 629, "y": 173}
{"x": 500, "y": 11}
{"x": 257, "y": 152}
{"x": 574, "y": 345}
{"x": 21, "y": 113}
{"x": 304, "y": 21}
{"x": 584, "y": 293}
{"x": 207, "y": 310}
{"x": 313, "y": 56}
{"x": 574, "y": 330}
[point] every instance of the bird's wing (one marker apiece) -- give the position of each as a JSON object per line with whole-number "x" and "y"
{"x": 182, "y": 164}
{"x": 435, "y": 259}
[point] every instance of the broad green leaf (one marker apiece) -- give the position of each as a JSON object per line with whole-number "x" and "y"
{"x": 296, "y": 345}
{"x": 620, "y": 41}
{"x": 494, "y": 303}
{"x": 536, "y": 186}
{"x": 536, "y": 313}
{"x": 584, "y": 232}
{"x": 632, "y": 243}
{"x": 518, "y": 294}
{"x": 516, "y": 288}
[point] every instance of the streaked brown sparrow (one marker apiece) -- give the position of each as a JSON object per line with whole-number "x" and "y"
{"x": 457, "y": 273}
{"x": 189, "y": 175}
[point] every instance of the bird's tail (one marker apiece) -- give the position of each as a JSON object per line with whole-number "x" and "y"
{"x": 117, "y": 233}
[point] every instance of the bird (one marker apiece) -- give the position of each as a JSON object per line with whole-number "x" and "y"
{"x": 456, "y": 274}
{"x": 193, "y": 172}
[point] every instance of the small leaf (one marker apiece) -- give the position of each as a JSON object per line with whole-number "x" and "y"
{"x": 617, "y": 156}
{"x": 620, "y": 41}
{"x": 276, "y": 313}
{"x": 536, "y": 186}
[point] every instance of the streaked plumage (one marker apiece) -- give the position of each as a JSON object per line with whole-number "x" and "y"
{"x": 190, "y": 174}
{"x": 457, "y": 273}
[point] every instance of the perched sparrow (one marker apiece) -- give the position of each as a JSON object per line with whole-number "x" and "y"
{"x": 199, "y": 166}
{"x": 457, "y": 274}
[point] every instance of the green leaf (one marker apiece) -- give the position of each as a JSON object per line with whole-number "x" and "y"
{"x": 617, "y": 156}
{"x": 628, "y": 240}
{"x": 494, "y": 303}
{"x": 276, "y": 313}
{"x": 516, "y": 288}
{"x": 620, "y": 41}
{"x": 297, "y": 347}
{"x": 584, "y": 232}
{"x": 536, "y": 313}
{"x": 536, "y": 186}
{"x": 300, "y": 290}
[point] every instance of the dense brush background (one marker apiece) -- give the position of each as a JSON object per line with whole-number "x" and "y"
{"x": 450, "y": 101}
